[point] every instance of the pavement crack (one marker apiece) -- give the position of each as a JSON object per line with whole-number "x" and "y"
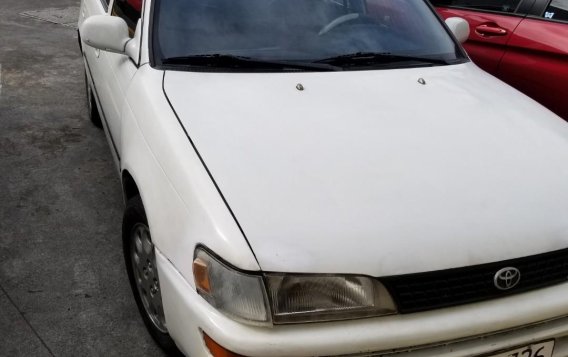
{"x": 26, "y": 320}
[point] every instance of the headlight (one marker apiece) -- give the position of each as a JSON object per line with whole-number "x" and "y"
{"x": 241, "y": 296}
{"x": 288, "y": 298}
{"x": 310, "y": 298}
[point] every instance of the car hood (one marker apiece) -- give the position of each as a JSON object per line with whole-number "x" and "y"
{"x": 372, "y": 172}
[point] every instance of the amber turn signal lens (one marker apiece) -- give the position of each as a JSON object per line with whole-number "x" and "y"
{"x": 216, "y": 349}
{"x": 201, "y": 275}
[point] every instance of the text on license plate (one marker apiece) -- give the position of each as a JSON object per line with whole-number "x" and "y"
{"x": 543, "y": 349}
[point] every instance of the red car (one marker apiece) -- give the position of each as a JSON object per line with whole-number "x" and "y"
{"x": 522, "y": 42}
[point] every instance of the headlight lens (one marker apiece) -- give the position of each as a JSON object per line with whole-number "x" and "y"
{"x": 288, "y": 298}
{"x": 310, "y": 298}
{"x": 239, "y": 295}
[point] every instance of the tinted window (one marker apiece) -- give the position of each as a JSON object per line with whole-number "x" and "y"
{"x": 489, "y": 5}
{"x": 557, "y": 10}
{"x": 130, "y": 11}
{"x": 292, "y": 30}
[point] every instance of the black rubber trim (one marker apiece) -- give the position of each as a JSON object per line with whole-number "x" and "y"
{"x": 151, "y": 35}
{"x": 80, "y": 41}
{"x": 538, "y": 8}
{"x": 207, "y": 168}
{"x": 142, "y": 13}
{"x": 525, "y": 7}
{"x": 100, "y": 107}
{"x": 471, "y": 9}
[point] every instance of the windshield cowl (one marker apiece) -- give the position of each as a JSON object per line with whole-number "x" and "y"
{"x": 243, "y": 63}
{"x": 370, "y": 58}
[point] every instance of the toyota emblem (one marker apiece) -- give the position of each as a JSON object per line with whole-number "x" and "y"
{"x": 507, "y": 278}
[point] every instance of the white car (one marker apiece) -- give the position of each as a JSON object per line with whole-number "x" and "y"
{"x": 328, "y": 178}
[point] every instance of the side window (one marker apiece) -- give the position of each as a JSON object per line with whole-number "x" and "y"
{"x": 130, "y": 11}
{"x": 489, "y": 5}
{"x": 557, "y": 10}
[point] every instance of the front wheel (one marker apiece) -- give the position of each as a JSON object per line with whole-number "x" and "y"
{"x": 140, "y": 258}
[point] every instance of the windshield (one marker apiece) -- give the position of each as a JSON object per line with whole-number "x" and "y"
{"x": 253, "y": 35}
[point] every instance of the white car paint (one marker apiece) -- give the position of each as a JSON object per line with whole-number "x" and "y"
{"x": 401, "y": 178}
{"x": 176, "y": 207}
{"x": 111, "y": 74}
{"x": 372, "y": 173}
{"x": 451, "y": 332}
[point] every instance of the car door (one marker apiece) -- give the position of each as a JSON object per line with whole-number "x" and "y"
{"x": 91, "y": 55}
{"x": 536, "y": 61}
{"x": 118, "y": 71}
{"x": 93, "y": 64}
{"x": 492, "y": 23}
{"x": 111, "y": 73}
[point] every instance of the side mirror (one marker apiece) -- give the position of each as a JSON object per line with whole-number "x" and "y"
{"x": 459, "y": 27}
{"x": 107, "y": 33}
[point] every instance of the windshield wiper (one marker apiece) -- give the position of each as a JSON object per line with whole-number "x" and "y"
{"x": 370, "y": 58}
{"x": 242, "y": 62}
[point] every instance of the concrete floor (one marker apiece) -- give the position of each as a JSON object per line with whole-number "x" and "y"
{"x": 63, "y": 286}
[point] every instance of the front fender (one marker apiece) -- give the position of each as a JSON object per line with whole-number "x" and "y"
{"x": 182, "y": 204}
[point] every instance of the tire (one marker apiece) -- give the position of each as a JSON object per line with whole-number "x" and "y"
{"x": 139, "y": 256}
{"x": 92, "y": 110}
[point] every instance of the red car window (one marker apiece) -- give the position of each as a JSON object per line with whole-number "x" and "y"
{"x": 507, "y": 6}
{"x": 557, "y": 10}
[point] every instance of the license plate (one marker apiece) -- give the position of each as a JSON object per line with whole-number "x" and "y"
{"x": 542, "y": 349}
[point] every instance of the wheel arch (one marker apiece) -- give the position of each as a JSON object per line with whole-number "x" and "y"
{"x": 129, "y": 187}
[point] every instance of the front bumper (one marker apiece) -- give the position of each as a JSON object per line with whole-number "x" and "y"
{"x": 468, "y": 330}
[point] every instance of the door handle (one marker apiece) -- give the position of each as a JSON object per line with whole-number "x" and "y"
{"x": 487, "y": 30}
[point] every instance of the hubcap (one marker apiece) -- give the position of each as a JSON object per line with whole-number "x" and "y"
{"x": 146, "y": 275}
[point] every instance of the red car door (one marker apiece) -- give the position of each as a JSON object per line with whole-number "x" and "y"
{"x": 536, "y": 61}
{"x": 492, "y": 23}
